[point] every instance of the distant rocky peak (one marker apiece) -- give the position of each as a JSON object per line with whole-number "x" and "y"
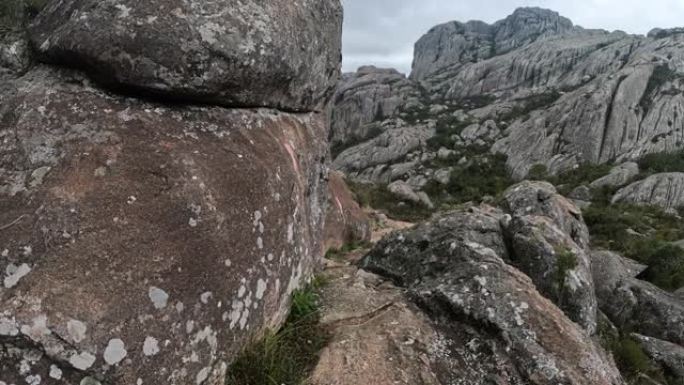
{"x": 526, "y": 25}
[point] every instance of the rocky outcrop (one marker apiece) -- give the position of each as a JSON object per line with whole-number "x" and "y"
{"x": 345, "y": 221}
{"x": 403, "y": 191}
{"x": 146, "y": 242}
{"x": 548, "y": 242}
{"x": 618, "y": 176}
{"x": 669, "y": 355}
{"x": 454, "y": 267}
{"x": 249, "y": 54}
{"x": 664, "y": 190}
{"x": 370, "y": 160}
{"x": 364, "y": 99}
{"x": 632, "y": 304}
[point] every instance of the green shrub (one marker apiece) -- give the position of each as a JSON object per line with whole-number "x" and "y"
{"x": 538, "y": 172}
{"x": 584, "y": 174}
{"x": 633, "y": 361}
{"x": 531, "y": 103}
{"x": 660, "y": 76}
{"x": 446, "y": 127}
{"x": 612, "y": 227}
{"x": 662, "y": 162}
{"x": 567, "y": 261}
{"x": 288, "y": 356}
{"x": 484, "y": 176}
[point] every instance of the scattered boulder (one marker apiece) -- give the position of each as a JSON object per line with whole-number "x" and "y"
{"x": 618, "y": 176}
{"x": 581, "y": 196}
{"x": 664, "y": 190}
{"x": 453, "y": 266}
{"x": 632, "y": 304}
{"x": 250, "y": 54}
{"x": 345, "y": 221}
{"x": 405, "y": 192}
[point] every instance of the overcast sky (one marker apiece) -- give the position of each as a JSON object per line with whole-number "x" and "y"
{"x": 382, "y": 32}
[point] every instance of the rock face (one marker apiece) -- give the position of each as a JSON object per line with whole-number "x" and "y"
{"x": 271, "y": 53}
{"x": 345, "y": 221}
{"x": 636, "y": 305}
{"x": 669, "y": 355}
{"x": 454, "y": 267}
{"x": 561, "y": 95}
{"x": 145, "y": 242}
{"x": 365, "y": 98}
{"x": 664, "y": 190}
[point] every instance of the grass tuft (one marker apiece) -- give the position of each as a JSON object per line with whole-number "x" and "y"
{"x": 285, "y": 357}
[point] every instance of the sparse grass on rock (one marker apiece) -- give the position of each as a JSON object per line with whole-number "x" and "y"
{"x": 287, "y": 356}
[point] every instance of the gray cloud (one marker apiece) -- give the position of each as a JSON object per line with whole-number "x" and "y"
{"x": 382, "y": 32}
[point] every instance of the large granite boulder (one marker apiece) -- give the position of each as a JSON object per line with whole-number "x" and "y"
{"x": 618, "y": 176}
{"x": 632, "y": 304}
{"x": 146, "y": 243}
{"x": 274, "y": 53}
{"x": 454, "y": 266}
{"x": 664, "y": 190}
{"x": 670, "y": 356}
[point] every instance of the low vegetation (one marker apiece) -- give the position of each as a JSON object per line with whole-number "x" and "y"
{"x": 633, "y": 361}
{"x": 661, "y": 75}
{"x": 338, "y": 254}
{"x": 379, "y": 198}
{"x": 582, "y": 175}
{"x": 483, "y": 176}
{"x": 642, "y": 233}
{"x": 567, "y": 261}
{"x": 531, "y": 103}
{"x": 287, "y": 356}
{"x": 661, "y": 162}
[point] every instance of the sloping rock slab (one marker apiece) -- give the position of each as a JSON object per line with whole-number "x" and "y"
{"x": 345, "y": 221}
{"x": 453, "y": 266}
{"x": 664, "y": 190}
{"x": 273, "y": 53}
{"x": 143, "y": 244}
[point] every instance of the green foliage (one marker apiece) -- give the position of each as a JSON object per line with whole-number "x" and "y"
{"x": 632, "y": 360}
{"x": 613, "y": 227}
{"x": 379, "y": 198}
{"x": 566, "y": 261}
{"x": 538, "y": 172}
{"x": 484, "y": 176}
{"x": 285, "y": 357}
{"x": 662, "y": 162}
{"x": 446, "y": 127}
{"x": 584, "y": 174}
{"x": 661, "y": 75}
{"x": 531, "y": 103}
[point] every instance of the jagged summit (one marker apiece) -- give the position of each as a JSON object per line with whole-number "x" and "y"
{"x": 476, "y": 40}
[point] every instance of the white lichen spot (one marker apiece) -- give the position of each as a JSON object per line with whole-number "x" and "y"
{"x": 290, "y": 233}
{"x": 151, "y": 346}
{"x": 261, "y": 288}
{"x": 205, "y": 297}
{"x": 77, "y": 330}
{"x": 189, "y": 326}
{"x": 17, "y": 274}
{"x": 124, "y": 11}
{"x": 260, "y": 243}
{"x": 192, "y": 222}
{"x": 228, "y": 263}
{"x": 180, "y": 307}
{"x": 202, "y": 375}
{"x": 158, "y": 297}
{"x": 481, "y": 280}
{"x": 55, "y": 372}
{"x": 33, "y": 379}
{"x": 38, "y": 329}
{"x": 89, "y": 381}
{"x": 82, "y": 361}
{"x": 241, "y": 291}
{"x": 115, "y": 351}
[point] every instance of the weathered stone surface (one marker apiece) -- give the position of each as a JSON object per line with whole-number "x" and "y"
{"x": 664, "y": 190}
{"x": 140, "y": 242}
{"x": 632, "y": 304}
{"x": 454, "y": 267}
{"x": 667, "y": 354}
{"x": 405, "y": 192}
{"x": 541, "y": 199}
{"x": 369, "y": 160}
{"x": 345, "y": 221}
{"x": 15, "y": 56}
{"x": 619, "y": 175}
{"x": 274, "y": 53}
{"x": 544, "y": 227}
{"x": 367, "y": 97}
